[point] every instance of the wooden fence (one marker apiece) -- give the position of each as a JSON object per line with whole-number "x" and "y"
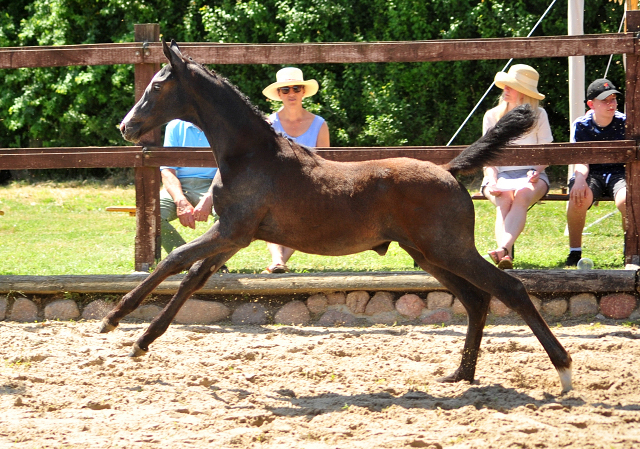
{"x": 146, "y": 54}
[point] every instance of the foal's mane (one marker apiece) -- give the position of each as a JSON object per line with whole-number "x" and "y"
{"x": 252, "y": 108}
{"x": 225, "y": 81}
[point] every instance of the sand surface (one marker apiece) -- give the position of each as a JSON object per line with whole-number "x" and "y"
{"x": 63, "y": 385}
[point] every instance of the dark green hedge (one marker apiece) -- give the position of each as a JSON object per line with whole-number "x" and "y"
{"x": 365, "y": 104}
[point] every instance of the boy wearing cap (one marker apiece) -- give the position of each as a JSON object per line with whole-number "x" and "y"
{"x": 602, "y": 122}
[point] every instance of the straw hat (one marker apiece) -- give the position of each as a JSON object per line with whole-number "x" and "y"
{"x": 290, "y": 76}
{"x": 522, "y": 78}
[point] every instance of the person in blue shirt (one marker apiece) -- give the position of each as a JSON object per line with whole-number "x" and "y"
{"x": 186, "y": 194}
{"x": 298, "y": 124}
{"x": 602, "y": 122}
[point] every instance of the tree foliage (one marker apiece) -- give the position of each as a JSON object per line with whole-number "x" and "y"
{"x": 364, "y": 104}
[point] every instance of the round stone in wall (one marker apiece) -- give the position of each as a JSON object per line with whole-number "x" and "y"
{"x": 63, "y": 309}
{"x": 23, "y": 310}
{"x": 617, "y": 305}
{"x": 3, "y": 307}
{"x": 498, "y": 308}
{"x": 336, "y": 298}
{"x": 146, "y": 312}
{"x": 410, "y": 305}
{"x": 381, "y": 302}
{"x": 357, "y": 301}
{"x": 555, "y": 307}
{"x": 333, "y": 318}
{"x": 317, "y": 303}
{"x": 250, "y": 313}
{"x": 439, "y": 300}
{"x": 197, "y": 311}
{"x": 97, "y": 310}
{"x": 294, "y": 313}
{"x": 583, "y": 304}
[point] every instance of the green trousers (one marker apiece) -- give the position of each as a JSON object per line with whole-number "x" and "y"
{"x": 194, "y": 189}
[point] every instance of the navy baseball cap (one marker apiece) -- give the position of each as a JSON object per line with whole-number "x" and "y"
{"x": 601, "y": 89}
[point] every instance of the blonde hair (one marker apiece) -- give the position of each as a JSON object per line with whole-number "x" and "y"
{"x": 526, "y": 99}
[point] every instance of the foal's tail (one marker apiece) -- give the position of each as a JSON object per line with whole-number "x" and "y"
{"x": 515, "y": 123}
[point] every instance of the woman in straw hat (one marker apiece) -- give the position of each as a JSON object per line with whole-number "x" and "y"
{"x": 299, "y": 125}
{"x": 513, "y": 189}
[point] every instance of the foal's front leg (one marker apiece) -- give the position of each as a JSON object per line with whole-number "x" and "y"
{"x": 193, "y": 281}
{"x": 173, "y": 264}
{"x": 177, "y": 261}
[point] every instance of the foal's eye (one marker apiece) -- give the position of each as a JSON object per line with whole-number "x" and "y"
{"x": 157, "y": 87}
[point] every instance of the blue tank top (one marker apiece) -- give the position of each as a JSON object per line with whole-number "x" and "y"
{"x": 310, "y": 136}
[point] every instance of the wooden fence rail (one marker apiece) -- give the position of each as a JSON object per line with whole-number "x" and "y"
{"x": 150, "y": 51}
{"x": 136, "y": 156}
{"x": 146, "y": 54}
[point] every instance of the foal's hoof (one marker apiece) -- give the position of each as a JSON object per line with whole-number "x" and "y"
{"x": 565, "y": 379}
{"x": 137, "y": 351}
{"x": 453, "y": 378}
{"x": 105, "y": 326}
{"x": 450, "y": 379}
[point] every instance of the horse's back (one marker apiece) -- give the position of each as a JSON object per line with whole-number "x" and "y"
{"x": 368, "y": 190}
{"x": 404, "y": 175}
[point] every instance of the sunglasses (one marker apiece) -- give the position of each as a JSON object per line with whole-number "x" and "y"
{"x": 285, "y": 90}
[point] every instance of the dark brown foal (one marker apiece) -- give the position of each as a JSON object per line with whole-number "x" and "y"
{"x": 269, "y": 188}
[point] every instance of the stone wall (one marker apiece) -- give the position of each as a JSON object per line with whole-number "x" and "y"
{"x": 355, "y": 308}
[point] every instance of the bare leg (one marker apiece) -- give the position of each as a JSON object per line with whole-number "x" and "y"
{"x": 576, "y": 218}
{"x": 517, "y": 216}
{"x": 621, "y": 204}
{"x": 503, "y": 203}
{"x": 279, "y": 254}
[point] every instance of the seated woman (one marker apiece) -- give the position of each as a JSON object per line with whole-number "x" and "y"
{"x": 299, "y": 125}
{"x": 513, "y": 189}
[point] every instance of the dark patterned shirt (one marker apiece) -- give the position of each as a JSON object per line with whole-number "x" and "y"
{"x": 584, "y": 129}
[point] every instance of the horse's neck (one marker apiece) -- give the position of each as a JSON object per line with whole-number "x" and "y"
{"x": 232, "y": 127}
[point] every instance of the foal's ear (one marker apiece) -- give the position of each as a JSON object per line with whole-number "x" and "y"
{"x": 172, "y": 53}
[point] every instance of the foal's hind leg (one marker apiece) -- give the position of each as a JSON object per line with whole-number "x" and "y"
{"x": 512, "y": 293}
{"x": 474, "y": 300}
{"x": 193, "y": 281}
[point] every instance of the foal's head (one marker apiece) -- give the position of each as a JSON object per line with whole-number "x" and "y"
{"x": 188, "y": 91}
{"x": 163, "y": 99}
{"x": 169, "y": 95}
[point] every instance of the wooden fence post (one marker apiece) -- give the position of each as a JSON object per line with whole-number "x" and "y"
{"x": 632, "y": 109}
{"x": 147, "y": 182}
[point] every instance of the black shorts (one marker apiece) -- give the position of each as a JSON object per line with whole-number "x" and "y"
{"x": 604, "y": 185}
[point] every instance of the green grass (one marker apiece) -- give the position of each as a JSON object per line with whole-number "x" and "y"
{"x": 54, "y": 229}
{"x": 543, "y": 244}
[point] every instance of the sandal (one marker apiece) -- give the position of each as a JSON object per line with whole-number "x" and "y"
{"x": 506, "y": 263}
{"x": 495, "y": 257}
{"x": 276, "y": 269}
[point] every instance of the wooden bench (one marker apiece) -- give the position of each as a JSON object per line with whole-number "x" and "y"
{"x": 547, "y": 197}
{"x": 130, "y": 209}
